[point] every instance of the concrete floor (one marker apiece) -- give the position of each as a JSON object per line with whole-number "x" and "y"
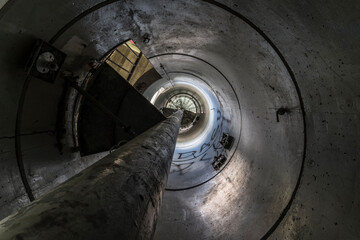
{"x": 296, "y": 179}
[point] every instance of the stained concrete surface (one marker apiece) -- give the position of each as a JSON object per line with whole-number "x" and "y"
{"x": 319, "y": 42}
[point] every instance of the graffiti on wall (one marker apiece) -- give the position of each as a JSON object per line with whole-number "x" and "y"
{"x": 183, "y": 162}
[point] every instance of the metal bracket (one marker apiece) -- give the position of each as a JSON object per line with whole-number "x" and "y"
{"x": 45, "y": 61}
{"x": 227, "y": 141}
{"x": 218, "y": 162}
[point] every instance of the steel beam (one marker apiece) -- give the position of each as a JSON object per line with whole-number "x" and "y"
{"x": 116, "y": 198}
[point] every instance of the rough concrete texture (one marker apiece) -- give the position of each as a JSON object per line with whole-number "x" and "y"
{"x": 264, "y": 48}
{"x": 119, "y": 196}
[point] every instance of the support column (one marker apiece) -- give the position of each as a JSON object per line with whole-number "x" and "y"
{"x": 118, "y": 197}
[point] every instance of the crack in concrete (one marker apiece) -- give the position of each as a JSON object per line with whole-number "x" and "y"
{"x": 28, "y": 134}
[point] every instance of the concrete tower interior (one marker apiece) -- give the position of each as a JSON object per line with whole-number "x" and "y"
{"x": 280, "y": 77}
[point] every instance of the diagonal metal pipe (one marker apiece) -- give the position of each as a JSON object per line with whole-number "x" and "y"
{"x": 116, "y": 198}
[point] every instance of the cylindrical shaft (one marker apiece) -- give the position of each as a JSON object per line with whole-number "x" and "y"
{"x": 116, "y": 198}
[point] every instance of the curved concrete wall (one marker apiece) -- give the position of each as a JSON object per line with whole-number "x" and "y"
{"x": 299, "y": 55}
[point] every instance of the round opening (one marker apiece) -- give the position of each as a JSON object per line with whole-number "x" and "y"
{"x": 191, "y": 108}
{"x": 200, "y": 152}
